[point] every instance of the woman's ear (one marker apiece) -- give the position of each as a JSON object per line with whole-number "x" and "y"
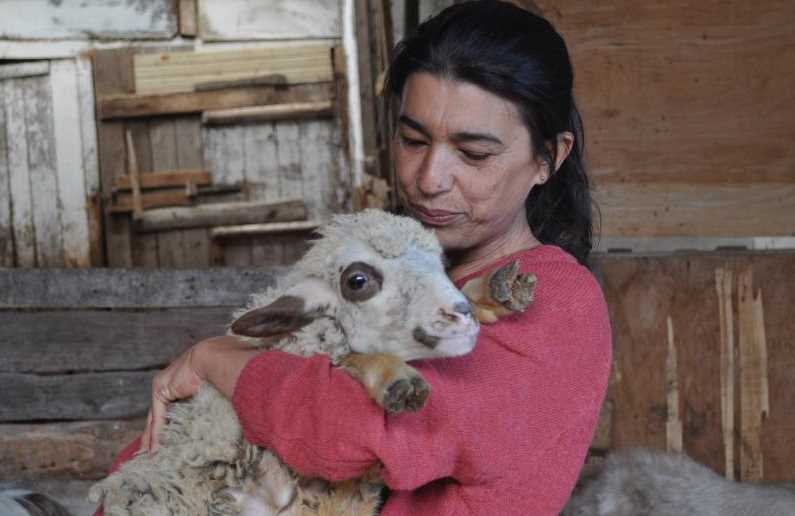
{"x": 565, "y": 143}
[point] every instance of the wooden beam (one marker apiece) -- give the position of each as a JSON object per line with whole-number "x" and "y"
{"x": 165, "y": 179}
{"x": 129, "y": 288}
{"x": 244, "y": 230}
{"x": 127, "y": 202}
{"x": 131, "y": 106}
{"x": 295, "y": 111}
{"x": 18, "y": 71}
{"x": 222, "y": 214}
{"x": 78, "y": 340}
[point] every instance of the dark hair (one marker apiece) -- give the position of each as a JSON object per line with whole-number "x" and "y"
{"x": 517, "y": 56}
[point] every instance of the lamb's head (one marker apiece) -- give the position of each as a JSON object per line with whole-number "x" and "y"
{"x": 381, "y": 278}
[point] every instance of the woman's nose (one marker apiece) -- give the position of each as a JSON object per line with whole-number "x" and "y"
{"x": 435, "y": 175}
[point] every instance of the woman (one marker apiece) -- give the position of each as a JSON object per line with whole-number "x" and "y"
{"x": 488, "y": 154}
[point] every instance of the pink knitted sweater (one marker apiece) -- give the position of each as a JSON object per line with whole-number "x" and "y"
{"x": 505, "y": 430}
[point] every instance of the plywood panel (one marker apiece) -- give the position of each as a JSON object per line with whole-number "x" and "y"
{"x": 642, "y": 292}
{"x": 694, "y": 94}
{"x": 270, "y": 19}
{"x": 44, "y": 19}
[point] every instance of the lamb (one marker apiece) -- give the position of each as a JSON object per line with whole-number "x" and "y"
{"x": 642, "y": 482}
{"x": 371, "y": 293}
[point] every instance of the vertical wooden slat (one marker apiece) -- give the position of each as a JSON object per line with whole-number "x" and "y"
{"x": 88, "y": 139}
{"x": 288, "y": 155}
{"x": 195, "y": 242}
{"x": 187, "y": 17}
{"x": 724, "y": 280}
{"x": 163, "y": 134}
{"x": 70, "y": 167}
{"x": 673, "y": 425}
{"x": 262, "y": 170}
{"x": 113, "y": 75}
{"x": 6, "y": 232}
{"x": 751, "y": 403}
{"x": 43, "y": 175}
{"x": 145, "y": 246}
{"x": 19, "y": 175}
{"x": 367, "y": 88}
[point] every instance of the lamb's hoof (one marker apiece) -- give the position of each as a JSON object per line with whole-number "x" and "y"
{"x": 510, "y": 289}
{"x": 406, "y": 394}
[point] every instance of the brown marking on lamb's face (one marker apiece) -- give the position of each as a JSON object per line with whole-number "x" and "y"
{"x": 424, "y": 338}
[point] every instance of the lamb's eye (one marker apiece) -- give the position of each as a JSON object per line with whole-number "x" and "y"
{"x": 360, "y": 281}
{"x": 357, "y": 281}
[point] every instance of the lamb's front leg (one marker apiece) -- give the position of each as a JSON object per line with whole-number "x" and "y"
{"x": 500, "y": 293}
{"x": 389, "y": 381}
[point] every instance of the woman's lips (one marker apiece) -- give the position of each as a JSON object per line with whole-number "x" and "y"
{"x": 434, "y": 217}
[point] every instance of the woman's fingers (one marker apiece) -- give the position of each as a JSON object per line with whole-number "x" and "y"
{"x": 158, "y": 413}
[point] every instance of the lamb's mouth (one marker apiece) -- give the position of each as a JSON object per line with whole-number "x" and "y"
{"x": 425, "y": 338}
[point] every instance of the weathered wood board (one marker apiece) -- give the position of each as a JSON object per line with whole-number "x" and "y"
{"x": 93, "y": 19}
{"x": 221, "y": 20}
{"x": 642, "y": 292}
{"x": 171, "y": 72}
{"x": 48, "y": 166}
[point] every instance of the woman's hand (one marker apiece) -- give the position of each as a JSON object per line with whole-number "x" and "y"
{"x": 218, "y": 360}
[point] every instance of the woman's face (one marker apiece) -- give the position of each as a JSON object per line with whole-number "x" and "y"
{"x": 464, "y": 161}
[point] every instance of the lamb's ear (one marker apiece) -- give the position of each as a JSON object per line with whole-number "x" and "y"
{"x": 294, "y": 309}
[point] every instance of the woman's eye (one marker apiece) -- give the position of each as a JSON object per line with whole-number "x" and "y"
{"x": 411, "y": 142}
{"x": 475, "y": 156}
{"x": 357, "y": 281}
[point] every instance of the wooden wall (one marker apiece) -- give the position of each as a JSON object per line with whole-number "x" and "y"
{"x": 688, "y": 113}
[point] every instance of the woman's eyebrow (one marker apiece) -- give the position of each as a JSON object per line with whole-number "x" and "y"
{"x": 462, "y": 136}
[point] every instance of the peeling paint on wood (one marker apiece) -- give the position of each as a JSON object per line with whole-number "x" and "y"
{"x": 88, "y": 19}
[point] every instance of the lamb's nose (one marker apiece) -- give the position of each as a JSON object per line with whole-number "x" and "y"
{"x": 462, "y": 308}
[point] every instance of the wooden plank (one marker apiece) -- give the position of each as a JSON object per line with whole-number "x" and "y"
{"x": 144, "y": 246}
{"x": 299, "y": 110}
{"x": 6, "y": 228}
{"x": 279, "y": 19}
{"x": 291, "y": 181}
{"x": 163, "y": 134}
{"x": 18, "y": 71}
{"x": 19, "y": 177}
{"x": 173, "y": 72}
{"x": 130, "y": 288}
{"x": 168, "y": 178}
{"x": 124, "y": 202}
{"x": 103, "y": 340}
{"x": 222, "y": 214}
{"x": 113, "y": 75}
{"x": 724, "y": 281}
{"x": 133, "y": 172}
{"x": 43, "y": 19}
{"x": 263, "y": 174}
{"x": 673, "y": 425}
{"x": 761, "y": 209}
{"x": 130, "y": 106}
{"x": 188, "y": 24}
{"x": 83, "y": 450}
{"x": 30, "y": 397}
{"x": 195, "y": 242}
{"x": 43, "y": 173}
{"x": 88, "y": 139}
{"x": 72, "y": 197}
{"x": 751, "y": 377}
